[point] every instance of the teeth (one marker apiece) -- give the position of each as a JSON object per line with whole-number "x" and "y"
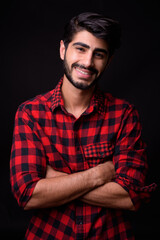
{"x": 85, "y": 73}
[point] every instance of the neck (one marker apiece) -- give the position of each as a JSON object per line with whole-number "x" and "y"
{"x": 76, "y": 101}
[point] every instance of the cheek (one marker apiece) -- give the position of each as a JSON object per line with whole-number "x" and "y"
{"x": 101, "y": 67}
{"x": 71, "y": 57}
{"x": 74, "y": 57}
{"x": 104, "y": 65}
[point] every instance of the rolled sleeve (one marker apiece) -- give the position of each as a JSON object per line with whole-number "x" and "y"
{"x": 28, "y": 162}
{"x": 130, "y": 159}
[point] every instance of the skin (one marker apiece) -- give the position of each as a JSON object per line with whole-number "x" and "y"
{"x": 94, "y": 55}
{"x": 59, "y": 188}
{"x": 86, "y": 57}
{"x": 110, "y": 194}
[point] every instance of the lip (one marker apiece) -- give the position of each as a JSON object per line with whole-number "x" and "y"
{"x": 84, "y": 73}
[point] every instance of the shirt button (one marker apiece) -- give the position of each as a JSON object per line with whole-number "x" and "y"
{"x": 78, "y": 148}
{"x": 101, "y": 154}
{"x": 79, "y": 220}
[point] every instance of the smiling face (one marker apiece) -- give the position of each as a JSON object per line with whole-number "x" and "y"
{"x": 85, "y": 59}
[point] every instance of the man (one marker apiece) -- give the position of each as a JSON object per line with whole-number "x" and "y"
{"x": 77, "y": 154}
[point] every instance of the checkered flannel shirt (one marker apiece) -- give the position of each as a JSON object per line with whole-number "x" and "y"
{"x": 45, "y": 133}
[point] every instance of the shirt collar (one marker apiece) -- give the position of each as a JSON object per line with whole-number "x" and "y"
{"x": 57, "y": 99}
{"x": 97, "y": 101}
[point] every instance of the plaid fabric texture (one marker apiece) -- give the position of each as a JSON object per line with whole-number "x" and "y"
{"x": 45, "y": 133}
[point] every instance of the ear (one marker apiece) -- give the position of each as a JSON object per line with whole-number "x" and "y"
{"x": 62, "y": 50}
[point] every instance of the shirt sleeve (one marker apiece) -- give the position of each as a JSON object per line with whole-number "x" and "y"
{"x": 130, "y": 159}
{"x": 28, "y": 161}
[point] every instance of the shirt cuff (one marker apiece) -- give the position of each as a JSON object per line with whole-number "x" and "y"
{"x": 23, "y": 190}
{"x": 138, "y": 194}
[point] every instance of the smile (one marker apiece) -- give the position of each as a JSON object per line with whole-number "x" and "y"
{"x": 83, "y": 72}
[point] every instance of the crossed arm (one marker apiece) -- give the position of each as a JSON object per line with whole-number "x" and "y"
{"x": 93, "y": 186}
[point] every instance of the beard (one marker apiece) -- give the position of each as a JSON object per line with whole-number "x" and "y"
{"x": 80, "y": 85}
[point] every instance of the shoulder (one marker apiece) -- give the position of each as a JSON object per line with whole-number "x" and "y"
{"x": 37, "y": 103}
{"x": 118, "y": 103}
{"x": 120, "y": 108}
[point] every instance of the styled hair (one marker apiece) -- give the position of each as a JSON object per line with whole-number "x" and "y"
{"x": 100, "y": 26}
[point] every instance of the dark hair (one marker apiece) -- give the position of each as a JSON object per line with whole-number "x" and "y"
{"x": 100, "y": 26}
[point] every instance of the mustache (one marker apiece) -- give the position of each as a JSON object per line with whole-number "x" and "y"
{"x": 92, "y": 69}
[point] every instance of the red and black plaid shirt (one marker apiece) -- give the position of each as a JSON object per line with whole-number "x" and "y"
{"x": 46, "y": 134}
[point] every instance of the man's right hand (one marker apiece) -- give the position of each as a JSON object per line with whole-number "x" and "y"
{"x": 105, "y": 172}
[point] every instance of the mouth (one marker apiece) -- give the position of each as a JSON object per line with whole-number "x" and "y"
{"x": 84, "y": 72}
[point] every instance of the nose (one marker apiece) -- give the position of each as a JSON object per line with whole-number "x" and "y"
{"x": 88, "y": 60}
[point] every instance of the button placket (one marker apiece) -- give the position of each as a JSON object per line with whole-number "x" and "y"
{"x": 79, "y": 155}
{"x": 79, "y": 221}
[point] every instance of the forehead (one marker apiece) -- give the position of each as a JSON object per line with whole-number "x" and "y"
{"x": 89, "y": 39}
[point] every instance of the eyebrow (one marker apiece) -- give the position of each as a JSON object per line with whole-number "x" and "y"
{"x": 88, "y": 47}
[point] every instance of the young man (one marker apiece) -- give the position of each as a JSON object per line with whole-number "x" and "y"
{"x": 77, "y": 153}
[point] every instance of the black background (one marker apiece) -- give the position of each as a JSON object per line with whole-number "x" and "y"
{"x": 30, "y": 32}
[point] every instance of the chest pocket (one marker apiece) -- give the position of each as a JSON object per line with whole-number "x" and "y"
{"x": 98, "y": 153}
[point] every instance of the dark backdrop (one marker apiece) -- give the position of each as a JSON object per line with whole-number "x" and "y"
{"x": 30, "y": 32}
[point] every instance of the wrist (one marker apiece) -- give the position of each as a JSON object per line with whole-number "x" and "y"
{"x": 96, "y": 177}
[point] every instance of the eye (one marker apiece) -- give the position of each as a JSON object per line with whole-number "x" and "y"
{"x": 99, "y": 55}
{"x": 80, "y": 49}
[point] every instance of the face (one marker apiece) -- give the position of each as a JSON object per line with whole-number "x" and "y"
{"x": 85, "y": 59}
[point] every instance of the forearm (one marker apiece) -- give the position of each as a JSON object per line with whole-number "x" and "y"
{"x": 59, "y": 188}
{"x": 52, "y": 192}
{"x": 110, "y": 195}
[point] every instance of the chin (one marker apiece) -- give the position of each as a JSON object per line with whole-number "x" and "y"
{"x": 82, "y": 84}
